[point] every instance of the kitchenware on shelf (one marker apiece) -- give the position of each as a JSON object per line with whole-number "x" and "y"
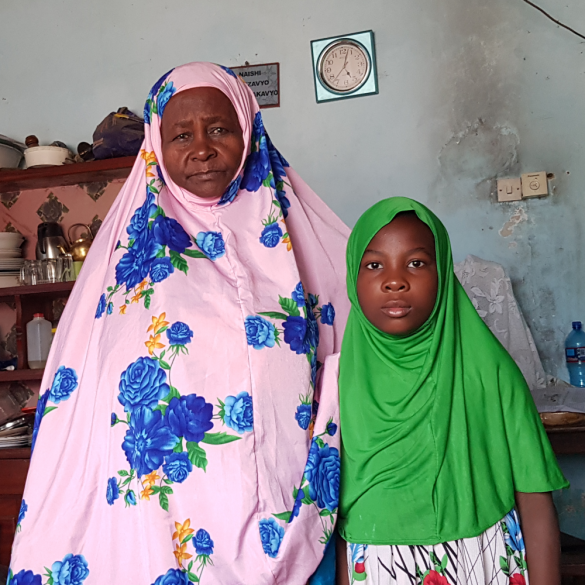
{"x": 46, "y": 156}
{"x": 80, "y": 247}
{"x": 562, "y": 419}
{"x": 10, "y": 241}
{"x": 51, "y": 242}
{"x": 10, "y": 153}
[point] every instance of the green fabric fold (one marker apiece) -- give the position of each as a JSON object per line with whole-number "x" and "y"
{"x": 439, "y": 427}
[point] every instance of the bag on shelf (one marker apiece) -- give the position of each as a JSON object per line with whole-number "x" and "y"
{"x": 120, "y": 134}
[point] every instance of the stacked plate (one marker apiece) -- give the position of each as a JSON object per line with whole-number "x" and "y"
{"x": 10, "y": 258}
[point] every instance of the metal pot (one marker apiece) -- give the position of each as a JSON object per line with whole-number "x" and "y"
{"x": 80, "y": 247}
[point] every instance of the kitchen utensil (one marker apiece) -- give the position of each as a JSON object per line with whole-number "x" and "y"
{"x": 10, "y": 240}
{"x": 80, "y": 247}
{"x": 46, "y": 156}
{"x": 51, "y": 242}
{"x": 561, "y": 419}
{"x": 10, "y": 156}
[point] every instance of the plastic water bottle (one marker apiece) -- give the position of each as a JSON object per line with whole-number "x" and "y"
{"x": 575, "y": 355}
{"x": 38, "y": 339}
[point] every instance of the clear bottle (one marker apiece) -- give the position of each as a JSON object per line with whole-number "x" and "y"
{"x": 38, "y": 338}
{"x": 575, "y": 355}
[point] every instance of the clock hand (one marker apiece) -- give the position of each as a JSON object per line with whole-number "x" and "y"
{"x": 344, "y": 66}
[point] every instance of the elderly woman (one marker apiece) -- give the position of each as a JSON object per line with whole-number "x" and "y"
{"x": 178, "y": 438}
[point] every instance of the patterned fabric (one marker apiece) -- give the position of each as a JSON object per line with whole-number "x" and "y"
{"x": 495, "y": 557}
{"x": 177, "y": 437}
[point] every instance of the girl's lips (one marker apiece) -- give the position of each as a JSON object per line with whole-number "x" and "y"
{"x": 396, "y": 312}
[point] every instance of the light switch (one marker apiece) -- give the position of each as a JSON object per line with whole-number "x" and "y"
{"x": 509, "y": 190}
{"x": 534, "y": 185}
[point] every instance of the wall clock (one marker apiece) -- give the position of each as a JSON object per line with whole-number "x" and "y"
{"x": 344, "y": 66}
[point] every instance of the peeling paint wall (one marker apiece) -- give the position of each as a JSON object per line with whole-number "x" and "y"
{"x": 469, "y": 90}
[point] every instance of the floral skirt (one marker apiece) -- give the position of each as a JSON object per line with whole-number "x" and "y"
{"x": 495, "y": 557}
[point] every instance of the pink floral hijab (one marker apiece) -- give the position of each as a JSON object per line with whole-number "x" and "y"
{"x": 179, "y": 436}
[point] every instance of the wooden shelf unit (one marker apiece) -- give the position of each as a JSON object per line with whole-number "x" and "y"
{"x": 64, "y": 175}
{"x": 27, "y": 301}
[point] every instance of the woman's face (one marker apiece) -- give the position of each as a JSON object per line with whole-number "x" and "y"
{"x": 397, "y": 280}
{"x": 202, "y": 142}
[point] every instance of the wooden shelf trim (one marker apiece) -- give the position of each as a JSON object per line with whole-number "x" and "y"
{"x": 21, "y": 375}
{"x": 53, "y": 288}
{"x": 64, "y": 175}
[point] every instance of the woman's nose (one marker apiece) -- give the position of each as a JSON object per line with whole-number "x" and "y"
{"x": 202, "y": 148}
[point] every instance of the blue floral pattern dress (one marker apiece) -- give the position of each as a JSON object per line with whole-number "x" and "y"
{"x": 180, "y": 436}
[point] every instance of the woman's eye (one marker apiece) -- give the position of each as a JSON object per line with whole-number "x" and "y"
{"x": 217, "y": 130}
{"x": 416, "y": 264}
{"x": 182, "y": 136}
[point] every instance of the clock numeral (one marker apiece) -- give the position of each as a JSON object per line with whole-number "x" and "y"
{"x": 329, "y": 62}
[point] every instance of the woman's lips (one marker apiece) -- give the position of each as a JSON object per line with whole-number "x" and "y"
{"x": 396, "y": 309}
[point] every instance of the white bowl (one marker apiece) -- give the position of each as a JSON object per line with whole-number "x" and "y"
{"x": 10, "y": 240}
{"x": 46, "y": 156}
{"x": 9, "y": 157}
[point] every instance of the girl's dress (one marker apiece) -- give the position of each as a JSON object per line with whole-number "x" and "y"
{"x": 177, "y": 439}
{"x": 439, "y": 432}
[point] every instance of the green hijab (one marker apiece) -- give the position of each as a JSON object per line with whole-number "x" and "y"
{"x": 439, "y": 428}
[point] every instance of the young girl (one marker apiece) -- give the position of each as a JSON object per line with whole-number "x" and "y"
{"x": 443, "y": 454}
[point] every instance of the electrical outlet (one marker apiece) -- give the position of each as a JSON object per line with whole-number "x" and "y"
{"x": 509, "y": 190}
{"x": 534, "y": 185}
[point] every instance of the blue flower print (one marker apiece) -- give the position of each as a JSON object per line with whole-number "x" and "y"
{"x": 259, "y": 332}
{"x": 274, "y": 154}
{"x": 203, "y": 543}
{"x": 177, "y": 466}
{"x": 114, "y": 419}
{"x": 152, "y": 94}
{"x": 173, "y": 577}
{"x": 143, "y": 383}
{"x": 211, "y": 244}
{"x": 231, "y": 191}
{"x": 130, "y": 498}
{"x": 139, "y": 222}
{"x": 135, "y": 264}
{"x": 110, "y": 308}
{"x": 113, "y": 492}
{"x": 312, "y": 329}
{"x": 72, "y": 570}
{"x": 101, "y": 308}
{"x": 22, "y": 512}
{"x": 295, "y": 334}
{"x": 331, "y": 428}
{"x": 169, "y": 232}
{"x": 284, "y": 202}
{"x": 164, "y": 95}
{"x": 190, "y": 417}
{"x": 239, "y": 412}
{"x": 179, "y": 334}
{"x": 64, "y": 383}
{"x": 271, "y": 535}
{"x": 228, "y": 71}
{"x": 258, "y": 128}
{"x": 323, "y": 474}
{"x": 297, "y": 506}
{"x": 303, "y": 416}
{"x": 271, "y": 235}
{"x": 513, "y": 537}
{"x": 148, "y": 440}
{"x": 298, "y": 295}
{"x": 25, "y": 578}
{"x": 256, "y": 168}
{"x": 160, "y": 269}
{"x": 41, "y": 405}
{"x": 327, "y": 314}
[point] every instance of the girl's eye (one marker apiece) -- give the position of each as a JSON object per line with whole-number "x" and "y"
{"x": 416, "y": 264}
{"x": 373, "y": 266}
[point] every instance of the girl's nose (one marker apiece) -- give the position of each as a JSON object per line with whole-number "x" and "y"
{"x": 395, "y": 283}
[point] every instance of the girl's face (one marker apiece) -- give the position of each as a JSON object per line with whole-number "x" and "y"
{"x": 202, "y": 142}
{"x": 397, "y": 279}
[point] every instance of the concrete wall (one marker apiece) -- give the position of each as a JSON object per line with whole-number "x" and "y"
{"x": 469, "y": 90}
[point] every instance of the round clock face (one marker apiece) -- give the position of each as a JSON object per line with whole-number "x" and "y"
{"x": 344, "y": 66}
